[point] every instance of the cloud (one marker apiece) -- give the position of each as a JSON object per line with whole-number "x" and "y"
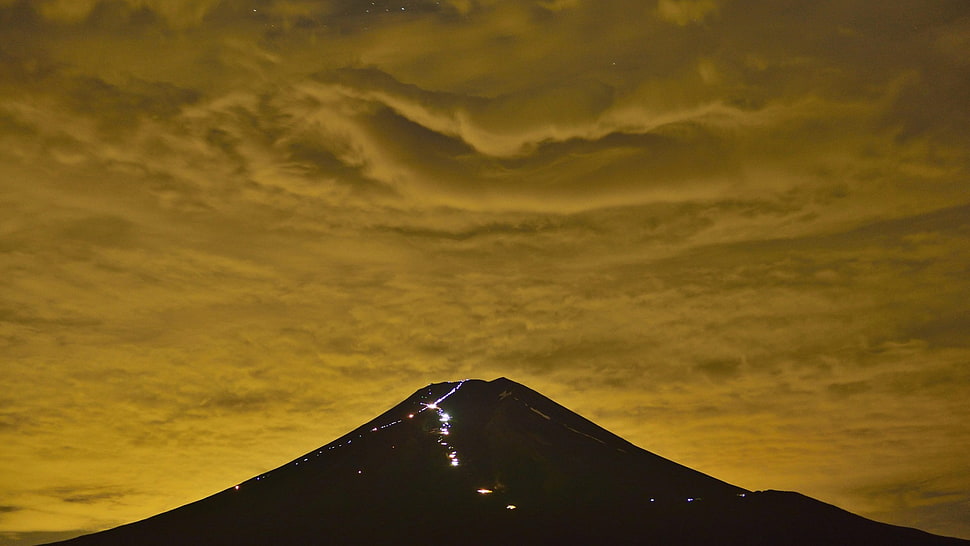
{"x": 369, "y": 129}
{"x": 698, "y": 223}
{"x": 177, "y": 13}
{"x": 93, "y": 498}
{"x": 849, "y": 388}
{"x": 685, "y": 12}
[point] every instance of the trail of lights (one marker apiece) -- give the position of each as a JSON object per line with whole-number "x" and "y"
{"x": 445, "y": 419}
{"x": 443, "y": 431}
{"x": 449, "y": 393}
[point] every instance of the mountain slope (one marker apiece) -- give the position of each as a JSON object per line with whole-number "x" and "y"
{"x": 482, "y": 462}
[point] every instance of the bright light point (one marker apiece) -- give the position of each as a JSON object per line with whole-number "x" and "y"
{"x": 445, "y": 417}
{"x": 432, "y": 405}
{"x": 237, "y": 488}
{"x": 444, "y": 431}
{"x": 410, "y": 416}
{"x": 360, "y": 471}
{"x": 510, "y": 507}
{"x": 484, "y": 491}
{"x": 454, "y": 462}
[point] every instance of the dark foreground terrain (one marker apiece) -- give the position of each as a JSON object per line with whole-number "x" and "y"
{"x": 495, "y": 462}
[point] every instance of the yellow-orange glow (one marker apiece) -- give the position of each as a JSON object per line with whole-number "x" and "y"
{"x": 735, "y": 234}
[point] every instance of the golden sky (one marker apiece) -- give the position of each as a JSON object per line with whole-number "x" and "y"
{"x": 735, "y": 233}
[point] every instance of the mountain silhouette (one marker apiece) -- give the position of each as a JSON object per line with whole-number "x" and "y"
{"x": 494, "y": 462}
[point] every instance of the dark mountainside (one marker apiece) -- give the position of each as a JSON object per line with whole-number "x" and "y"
{"x": 477, "y": 462}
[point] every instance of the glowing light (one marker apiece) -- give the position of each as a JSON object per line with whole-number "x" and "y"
{"x": 454, "y": 462}
{"x": 445, "y": 418}
{"x": 510, "y": 507}
{"x": 410, "y": 416}
{"x": 237, "y": 488}
{"x": 484, "y": 491}
{"x": 431, "y": 406}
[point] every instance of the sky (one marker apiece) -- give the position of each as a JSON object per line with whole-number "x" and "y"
{"x": 735, "y": 233}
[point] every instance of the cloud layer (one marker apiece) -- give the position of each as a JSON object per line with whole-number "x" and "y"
{"x": 735, "y": 235}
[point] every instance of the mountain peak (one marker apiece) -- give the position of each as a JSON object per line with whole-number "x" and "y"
{"x": 476, "y": 461}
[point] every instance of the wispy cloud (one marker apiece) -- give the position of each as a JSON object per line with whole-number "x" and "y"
{"x": 251, "y": 224}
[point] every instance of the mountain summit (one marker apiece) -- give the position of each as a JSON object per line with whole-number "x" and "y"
{"x": 475, "y": 462}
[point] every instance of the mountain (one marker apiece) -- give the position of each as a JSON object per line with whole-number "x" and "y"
{"x": 476, "y": 462}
